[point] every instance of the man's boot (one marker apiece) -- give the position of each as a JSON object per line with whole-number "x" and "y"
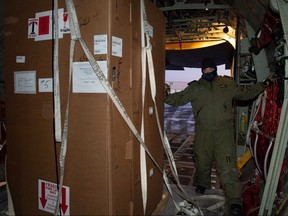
{"x": 236, "y": 210}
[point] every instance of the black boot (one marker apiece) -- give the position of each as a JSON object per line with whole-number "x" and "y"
{"x": 236, "y": 210}
{"x": 200, "y": 190}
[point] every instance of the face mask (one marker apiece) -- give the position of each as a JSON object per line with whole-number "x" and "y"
{"x": 209, "y": 76}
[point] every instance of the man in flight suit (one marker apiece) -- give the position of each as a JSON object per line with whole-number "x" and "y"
{"x": 211, "y": 97}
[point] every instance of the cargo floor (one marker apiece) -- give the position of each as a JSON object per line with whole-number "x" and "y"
{"x": 212, "y": 197}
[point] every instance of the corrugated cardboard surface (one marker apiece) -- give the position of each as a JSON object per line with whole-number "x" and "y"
{"x": 102, "y": 163}
{"x": 152, "y": 138}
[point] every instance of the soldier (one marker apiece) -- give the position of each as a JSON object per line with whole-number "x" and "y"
{"x": 211, "y": 97}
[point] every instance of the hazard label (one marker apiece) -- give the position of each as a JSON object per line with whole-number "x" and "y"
{"x": 41, "y": 27}
{"x": 47, "y": 197}
{"x": 32, "y": 27}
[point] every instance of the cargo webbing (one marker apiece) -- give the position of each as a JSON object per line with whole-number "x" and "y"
{"x": 56, "y": 82}
{"x": 147, "y": 59}
{"x": 147, "y": 51}
{"x": 143, "y": 166}
{"x": 57, "y": 105}
{"x": 63, "y": 148}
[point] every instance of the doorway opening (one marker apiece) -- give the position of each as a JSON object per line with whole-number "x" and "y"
{"x": 179, "y": 125}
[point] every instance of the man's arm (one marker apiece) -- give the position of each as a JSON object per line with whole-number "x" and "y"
{"x": 180, "y": 98}
{"x": 246, "y": 93}
{"x": 252, "y": 91}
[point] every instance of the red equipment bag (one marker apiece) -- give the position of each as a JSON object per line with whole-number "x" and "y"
{"x": 251, "y": 199}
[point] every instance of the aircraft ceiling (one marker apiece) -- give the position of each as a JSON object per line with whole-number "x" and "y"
{"x": 198, "y": 20}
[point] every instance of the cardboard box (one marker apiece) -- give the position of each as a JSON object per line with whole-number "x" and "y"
{"x": 102, "y": 173}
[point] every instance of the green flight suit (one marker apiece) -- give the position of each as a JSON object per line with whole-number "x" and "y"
{"x": 214, "y": 129}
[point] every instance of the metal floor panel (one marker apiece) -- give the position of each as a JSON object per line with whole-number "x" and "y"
{"x": 170, "y": 209}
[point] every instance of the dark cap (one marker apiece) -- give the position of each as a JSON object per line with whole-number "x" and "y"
{"x": 208, "y": 62}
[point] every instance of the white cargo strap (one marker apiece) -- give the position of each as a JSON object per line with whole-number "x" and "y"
{"x": 164, "y": 139}
{"x": 3, "y": 142}
{"x": 193, "y": 209}
{"x": 63, "y": 148}
{"x": 219, "y": 204}
{"x": 165, "y": 142}
{"x": 57, "y": 102}
{"x": 143, "y": 166}
{"x": 57, "y": 106}
{"x": 148, "y": 51}
{"x": 11, "y": 210}
{"x": 166, "y": 181}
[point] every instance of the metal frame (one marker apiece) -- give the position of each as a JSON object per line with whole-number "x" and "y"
{"x": 194, "y": 6}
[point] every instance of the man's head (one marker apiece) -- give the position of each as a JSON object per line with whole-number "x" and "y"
{"x": 209, "y": 69}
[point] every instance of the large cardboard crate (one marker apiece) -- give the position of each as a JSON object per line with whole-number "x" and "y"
{"x": 102, "y": 163}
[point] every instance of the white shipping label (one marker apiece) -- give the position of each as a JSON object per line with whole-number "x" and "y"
{"x": 84, "y": 78}
{"x": 20, "y": 59}
{"x": 45, "y": 84}
{"x": 25, "y": 82}
{"x": 117, "y": 46}
{"x": 47, "y": 197}
{"x": 100, "y": 44}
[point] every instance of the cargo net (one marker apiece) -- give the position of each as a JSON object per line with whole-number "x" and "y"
{"x": 261, "y": 139}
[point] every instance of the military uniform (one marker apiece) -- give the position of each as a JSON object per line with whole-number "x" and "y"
{"x": 214, "y": 129}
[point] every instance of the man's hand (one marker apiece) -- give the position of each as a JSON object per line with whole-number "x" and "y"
{"x": 269, "y": 80}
